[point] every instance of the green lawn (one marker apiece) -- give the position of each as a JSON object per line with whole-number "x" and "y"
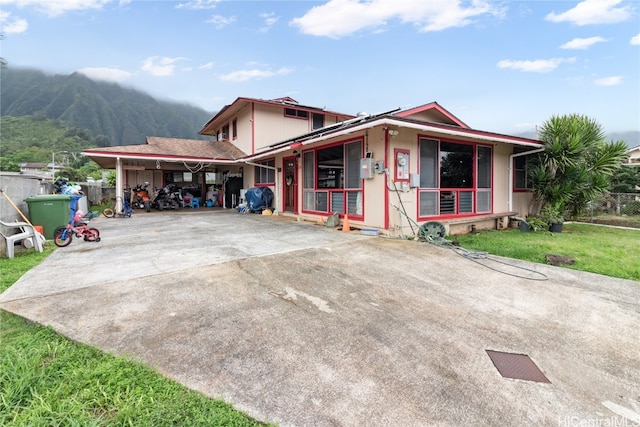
{"x": 48, "y": 380}
{"x": 609, "y": 251}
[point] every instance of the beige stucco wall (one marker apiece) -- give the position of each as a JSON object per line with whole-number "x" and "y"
{"x": 401, "y": 206}
{"x": 272, "y": 126}
{"x": 243, "y": 141}
{"x": 521, "y": 203}
{"x": 402, "y": 203}
{"x": 501, "y": 177}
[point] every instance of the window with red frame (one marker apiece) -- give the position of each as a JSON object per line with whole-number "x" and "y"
{"x": 331, "y": 179}
{"x": 455, "y": 178}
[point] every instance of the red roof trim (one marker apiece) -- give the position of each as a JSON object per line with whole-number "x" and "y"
{"x": 149, "y": 156}
{"x": 285, "y": 98}
{"x": 432, "y": 106}
{"x": 285, "y": 102}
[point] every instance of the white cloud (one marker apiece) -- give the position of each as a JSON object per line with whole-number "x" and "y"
{"x": 535, "y": 66}
{"x": 58, "y": 7}
{"x": 608, "y": 81}
{"x": 11, "y": 25}
{"x": 255, "y": 74}
{"x": 339, "y": 18}
{"x": 161, "y": 66}
{"x": 578, "y": 43}
{"x": 593, "y": 12}
{"x": 107, "y": 74}
{"x": 635, "y": 39}
{"x": 198, "y": 4}
{"x": 221, "y": 21}
{"x": 270, "y": 19}
{"x": 207, "y": 66}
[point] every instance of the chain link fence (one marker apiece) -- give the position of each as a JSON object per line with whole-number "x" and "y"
{"x": 622, "y": 209}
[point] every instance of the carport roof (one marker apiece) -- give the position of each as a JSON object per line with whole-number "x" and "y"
{"x": 173, "y": 149}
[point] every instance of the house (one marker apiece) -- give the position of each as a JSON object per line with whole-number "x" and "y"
{"x": 35, "y": 168}
{"x": 634, "y": 156}
{"x": 389, "y": 171}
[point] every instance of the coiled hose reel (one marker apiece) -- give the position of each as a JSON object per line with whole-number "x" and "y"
{"x": 432, "y": 231}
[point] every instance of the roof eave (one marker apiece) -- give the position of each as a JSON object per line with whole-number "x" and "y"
{"x": 166, "y": 158}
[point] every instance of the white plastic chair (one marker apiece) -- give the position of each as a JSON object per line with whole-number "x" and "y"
{"x": 26, "y": 231}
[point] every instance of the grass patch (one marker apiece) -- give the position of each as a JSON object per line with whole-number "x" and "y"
{"x": 608, "y": 251}
{"x": 48, "y": 380}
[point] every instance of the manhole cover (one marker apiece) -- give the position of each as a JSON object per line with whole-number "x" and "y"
{"x": 516, "y": 366}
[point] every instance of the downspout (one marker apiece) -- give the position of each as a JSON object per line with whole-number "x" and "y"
{"x": 253, "y": 128}
{"x": 511, "y": 157}
{"x": 386, "y": 185}
{"x": 277, "y": 180}
{"x": 119, "y": 186}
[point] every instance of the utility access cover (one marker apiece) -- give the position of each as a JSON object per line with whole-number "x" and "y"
{"x": 516, "y": 366}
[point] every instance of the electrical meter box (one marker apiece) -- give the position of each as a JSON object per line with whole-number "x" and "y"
{"x": 366, "y": 168}
{"x": 414, "y": 180}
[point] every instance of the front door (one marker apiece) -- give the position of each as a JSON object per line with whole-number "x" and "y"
{"x": 290, "y": 184}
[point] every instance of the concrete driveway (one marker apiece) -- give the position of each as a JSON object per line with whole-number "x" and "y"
{"x": 302, "y": 325}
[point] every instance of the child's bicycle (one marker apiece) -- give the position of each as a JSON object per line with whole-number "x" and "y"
{"x": 127, "y": 210}
{"x": 63, "y": 236}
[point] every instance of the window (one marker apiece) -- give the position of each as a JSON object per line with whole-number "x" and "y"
{"x": 265, "y": 175}
{"x": 484, "y": 179}
{"x": 292, "y": 112}
{"x": 332, "y": 180}
{"x": 223, "y": 135}
{"x": 455, "y": 178}
{"x": 234, "y": 128}
{"x": 317, "y": 121}
{"x": 521, "y": 171}
{"x": 456, "y": 165}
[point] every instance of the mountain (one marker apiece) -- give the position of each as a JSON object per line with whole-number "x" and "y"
{"x": 631, "y": 138}
{"x": 114, "y": 114}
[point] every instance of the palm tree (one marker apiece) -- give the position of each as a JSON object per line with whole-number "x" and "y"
{"x": 575, "y": 166}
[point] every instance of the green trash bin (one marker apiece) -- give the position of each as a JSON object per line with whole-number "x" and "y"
{"x": 49, "y": 211}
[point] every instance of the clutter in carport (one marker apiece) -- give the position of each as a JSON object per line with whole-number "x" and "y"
{"x": 256, "y": 200}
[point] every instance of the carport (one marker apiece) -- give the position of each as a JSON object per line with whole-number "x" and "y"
{"x": 161, "y": 161}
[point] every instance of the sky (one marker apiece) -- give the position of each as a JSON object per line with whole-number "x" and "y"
{"x": 499, "y": 66}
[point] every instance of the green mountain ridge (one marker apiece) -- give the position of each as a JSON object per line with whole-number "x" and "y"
{"x": 116, "y": 115}
{"x": 631, "y": 138}
{"x": 113, "y": 114}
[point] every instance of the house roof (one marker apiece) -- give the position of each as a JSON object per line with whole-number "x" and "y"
{"x": 168, "y": 149}
{"x": 33, "y": 165}
{"x": 241, "y": 102}
{"x": 192, "y": 150}
{"x": 391, "y": 119}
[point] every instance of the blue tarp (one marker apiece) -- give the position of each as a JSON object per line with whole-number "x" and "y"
{"x": 258, "y": 198}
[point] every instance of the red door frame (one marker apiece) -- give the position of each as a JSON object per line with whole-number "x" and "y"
{"x": 294, "y": 184}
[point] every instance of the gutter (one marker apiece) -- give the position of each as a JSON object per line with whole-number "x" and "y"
{"x": 161, "y": 158}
